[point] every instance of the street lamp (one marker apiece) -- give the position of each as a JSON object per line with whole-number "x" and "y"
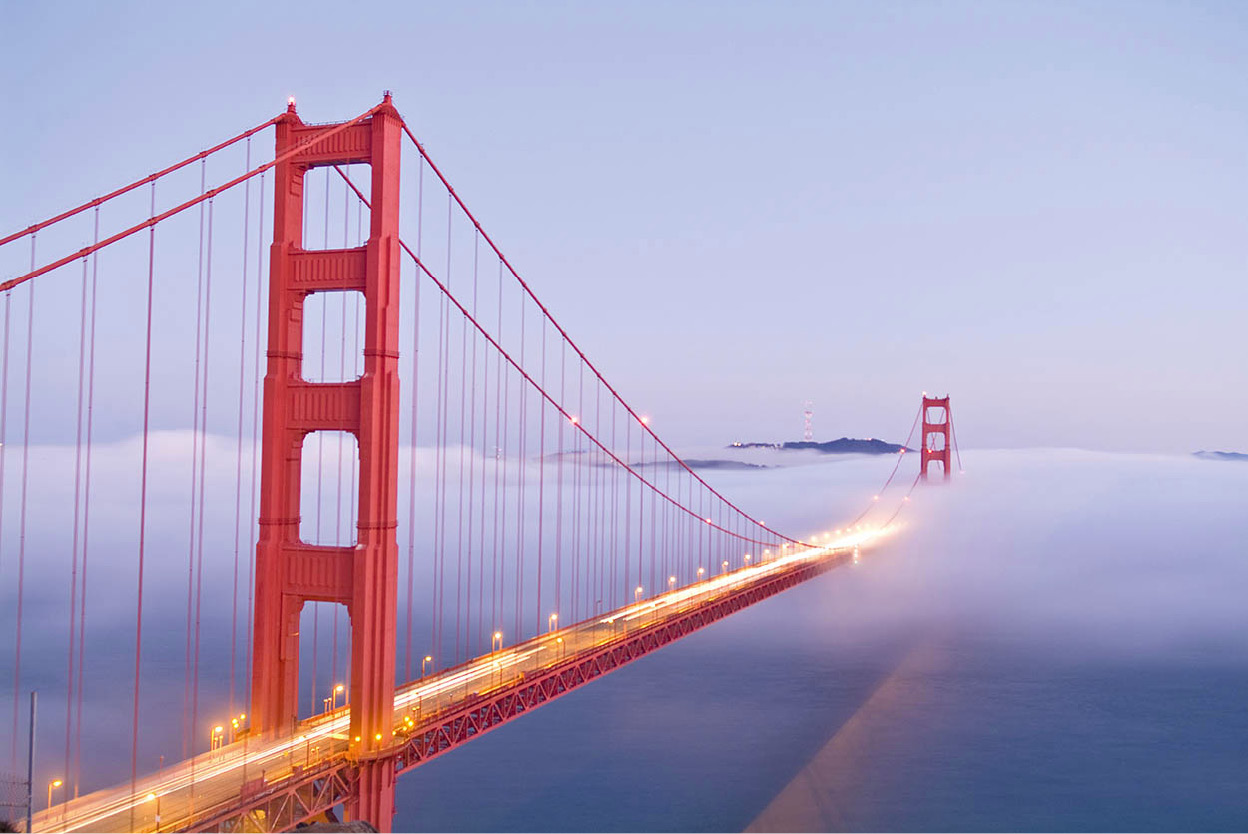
{"x": 151, "y": 797}
{"x": 671, "y": 582}
{"x": 637, "y": 594}
{"x": 55, "y": 783}
{"x": 724, "y": 565}
{"x": 339, "y": 689}
{"x": 496, "y": 644}
{"x": 427, "y": 660}
{"x": 747, "y": 558}
{"x": 701, "y": 570}
{"x": 217, "y": 739}
{"x": 550, "y": 622}
{"x": 236, "y": 726}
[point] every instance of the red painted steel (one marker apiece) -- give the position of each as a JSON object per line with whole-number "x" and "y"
{"x": 934, "y": 428}
{"x": 290, "y": 572}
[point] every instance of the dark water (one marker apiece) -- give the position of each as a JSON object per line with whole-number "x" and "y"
{"x": 1085, "y": 667}
{"x": 985, "y": 735}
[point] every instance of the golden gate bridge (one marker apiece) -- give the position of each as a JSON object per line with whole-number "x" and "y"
{"x": 430, "y": 514}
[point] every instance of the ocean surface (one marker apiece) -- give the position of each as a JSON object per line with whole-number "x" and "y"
{"x": 1057, "y": 642}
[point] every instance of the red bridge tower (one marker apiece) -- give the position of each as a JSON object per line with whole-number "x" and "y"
{"x": 289, "y": 571}
{"x": 936, "y": 429}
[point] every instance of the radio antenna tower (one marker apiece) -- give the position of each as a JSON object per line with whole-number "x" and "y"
{"x": 809, "y": 411}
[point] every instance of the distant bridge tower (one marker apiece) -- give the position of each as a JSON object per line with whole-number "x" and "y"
{"x": 809, "y": 412}
{"x": 289, "y": 571}
{"x": 937, "y": 424}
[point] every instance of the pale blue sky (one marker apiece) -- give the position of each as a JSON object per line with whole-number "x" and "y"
{"x": 1038, "y": 208}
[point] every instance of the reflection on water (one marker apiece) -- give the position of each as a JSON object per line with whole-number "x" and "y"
{"x": 822, "y": 796}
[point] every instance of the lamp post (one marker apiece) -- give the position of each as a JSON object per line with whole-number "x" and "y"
{"x": 152, "y": 797}
{"x": 217, "y": 738}
{"x": 55, "y": 783}
{"x": 496, "y": 645}
{"x": 339, "y": 689}
{"x": 551, "y": 621}
{"x": 701, "y": 570}
{"x": 724, "y": 565}
{"x": 671, "y": 583}
{"x": 637, "y": 594}
{"x": 424, "y": 663}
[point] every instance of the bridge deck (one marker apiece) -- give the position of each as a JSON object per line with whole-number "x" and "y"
{"x": 275, "y": 783}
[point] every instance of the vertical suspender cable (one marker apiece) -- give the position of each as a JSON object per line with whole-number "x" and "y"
{"x": 541, "y": 487}
{"x": 21, "y": 545}
{"x": 4, "y": 420}
{"x": 255, "y": 441}
{"x": 411, "y": 453}
{"x": 147, "y": 410}
{"x": 521, "y": 477}
{"x": 70, "y": 676}
{"x": 954, "y": 432}
{"x": 203, "y": 467}
{"x": 563, "y": 355}
{"x": 472, "y": 446}
{"x": 485, "y": 432}
{"x": 238, "y": 469}
{"x": 459, "y": 502}
{"x": 188, "y": 730}
{"x": 86, "y": 510}
{"x": 500, "y": 461}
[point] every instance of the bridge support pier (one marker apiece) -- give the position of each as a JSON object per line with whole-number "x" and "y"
{"x": 374, "y": 796}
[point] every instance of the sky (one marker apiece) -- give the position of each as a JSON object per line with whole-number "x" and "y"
{"x": 1036, "y": 208}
